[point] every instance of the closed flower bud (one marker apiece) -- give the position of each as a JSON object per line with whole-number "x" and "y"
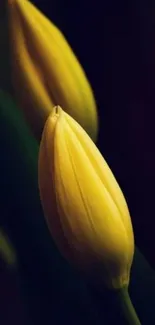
{"x": 45, "y": 70}
{"x": 84, "y": 207}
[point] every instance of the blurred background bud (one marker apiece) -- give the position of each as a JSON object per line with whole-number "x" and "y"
{"x": 85, "y": 209}
{"x": 45, "y": 70}
{"x": 6, "y": 250}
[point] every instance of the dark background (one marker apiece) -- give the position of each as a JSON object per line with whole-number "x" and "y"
{"x": 115, "y": 43}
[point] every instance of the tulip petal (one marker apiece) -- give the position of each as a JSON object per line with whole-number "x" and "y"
{"x": 47, "y": 185}
{"x": 29, "y": 79}
{"x": 88, "y": 215}
{"x": 104, "y": 174}
{"x": 71, "y": 175}
{"x": 65, "y": 80}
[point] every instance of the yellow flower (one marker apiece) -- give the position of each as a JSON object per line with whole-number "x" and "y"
{"x": 45, "y": 70}
{"x": 84, "y": 207}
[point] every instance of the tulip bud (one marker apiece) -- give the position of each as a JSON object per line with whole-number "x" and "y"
{"x": 85, "y": 209}
{"x": 45, "y": 70}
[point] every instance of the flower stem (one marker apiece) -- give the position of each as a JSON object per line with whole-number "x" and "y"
{"x": 127, "y": 308}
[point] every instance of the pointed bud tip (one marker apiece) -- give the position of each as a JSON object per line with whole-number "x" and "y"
{"x": 52, "y": 119}
{"x": 56, "y": 112}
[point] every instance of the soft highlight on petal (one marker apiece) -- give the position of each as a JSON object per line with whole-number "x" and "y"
{"x": 104, "y": 174}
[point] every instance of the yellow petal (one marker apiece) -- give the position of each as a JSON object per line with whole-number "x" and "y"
{"x": 89, "y": 217}
{"x": 59, "y": 70}
{"x": 30, "y": 85}
{"x": 105, "y": 174}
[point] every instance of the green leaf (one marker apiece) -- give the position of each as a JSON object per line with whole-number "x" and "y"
{"x": 54, "y": 292}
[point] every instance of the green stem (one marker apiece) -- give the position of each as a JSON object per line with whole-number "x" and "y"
{"x": 127, "y": 307}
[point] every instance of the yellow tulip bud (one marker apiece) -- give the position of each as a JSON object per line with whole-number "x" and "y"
{"x": 45, "y": 70}
{"x": 84, "y": 206}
